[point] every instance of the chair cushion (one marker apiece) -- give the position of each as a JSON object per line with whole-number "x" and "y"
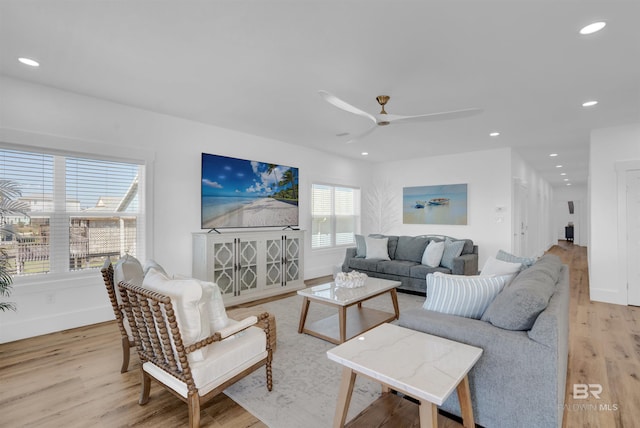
{"x": 189, "y": 306}
{"x": 216, "y": 312}
{"x": 224, "y": 360}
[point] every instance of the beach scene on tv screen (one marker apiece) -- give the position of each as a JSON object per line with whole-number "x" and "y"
{"x": 244, "y": 193}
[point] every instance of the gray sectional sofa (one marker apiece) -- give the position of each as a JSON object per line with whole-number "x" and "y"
{"x": 520, "y": 378}
{"x": 405, "y": 253}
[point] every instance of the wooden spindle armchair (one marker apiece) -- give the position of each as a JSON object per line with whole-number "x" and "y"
{"x": 125, "y": 331}
{"x": 231, "y": 353}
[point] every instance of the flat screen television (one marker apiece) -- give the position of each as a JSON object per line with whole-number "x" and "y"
{"x": 238, "y": 193}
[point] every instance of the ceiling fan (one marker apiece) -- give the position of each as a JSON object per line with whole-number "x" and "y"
{"x": 384, "y": 119}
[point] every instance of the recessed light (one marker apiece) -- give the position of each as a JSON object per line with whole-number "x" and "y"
{"x": 565, "y": 179}
{"x": 29, "y": 62}
{"x": 592, "y": 28}
{"x": 558, "y": 166}
{"x": 568, "y": 184}
{"x": 342, "y": 134}
{"x": 494, "y": 134}
{"x": 563, "y": 173}
{"x": 589, "y": 103}
{"x": 365, "y": 153}
{"x": 553, "y": 155}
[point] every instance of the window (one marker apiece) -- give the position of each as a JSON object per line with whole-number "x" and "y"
{"x": 78, "y": 211}
{"x": 335, "y": 215}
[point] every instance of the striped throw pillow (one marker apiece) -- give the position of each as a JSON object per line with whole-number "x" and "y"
{"x": 465, "y": 296}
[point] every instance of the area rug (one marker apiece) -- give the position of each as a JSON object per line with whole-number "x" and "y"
{"x": 305, "y": 381}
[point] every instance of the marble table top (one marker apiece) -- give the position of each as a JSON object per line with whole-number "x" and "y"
{"x": 346, "y": 296}
{"x": 421, "y": 365}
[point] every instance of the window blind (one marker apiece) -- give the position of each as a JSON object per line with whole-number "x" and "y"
{"x": 80, "y": 210}
{"x": 335, "y": 215}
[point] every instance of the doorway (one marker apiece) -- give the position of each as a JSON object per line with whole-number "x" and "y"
{"x": 633, "y": 236}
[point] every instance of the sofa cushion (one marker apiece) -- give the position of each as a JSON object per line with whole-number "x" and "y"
{"x": 361, "y": 246}
{"x": 421, "y": 271}
{"x": 433, "y": 254}
{"x": 364, "y": 264}
{"x": 411, "y": 248}
{"x": 507, "y": 257}
{"x": 396, "y": 267}
{"x": 452, "y": 249}
{"x": 466, "y": 296}
{"x": 517, "y": 307}
{"x": 377, "y": 248}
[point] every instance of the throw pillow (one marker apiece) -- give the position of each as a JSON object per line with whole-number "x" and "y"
{"x": 519, "y": 305}
{"x": 188, "y": 304}
{"x": 452, "y": 249}
{"x": 494, "y": 266}
{"x": 127, "y": 269}
{"x": 153, "y": 264}
{"x": 377, "y": 248}
{"x": 433, "y": 254}
{"x": 507, "y": 257}
{"x": 465, "y": 296}
{"x": 361, "y": 246}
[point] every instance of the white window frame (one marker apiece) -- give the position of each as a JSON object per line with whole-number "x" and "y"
{"x": 333, "y": 216}
{"x": 27, "y": 141}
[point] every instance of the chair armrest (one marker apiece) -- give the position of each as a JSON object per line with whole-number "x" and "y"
{"x": 223, "y": 333}
{"x": 239, "y": 326}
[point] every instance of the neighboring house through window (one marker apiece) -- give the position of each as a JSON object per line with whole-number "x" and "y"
{"x": 335, "y": 212}
{"x": 79, "y": 211}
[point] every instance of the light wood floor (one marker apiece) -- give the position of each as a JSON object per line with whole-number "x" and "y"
{"x": 72, "y": 378}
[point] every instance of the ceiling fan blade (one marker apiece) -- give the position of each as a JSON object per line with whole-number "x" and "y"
{"x": 343, "y": 105}
{"x": 445, "y": 115}
{"x": 364, "y": 134}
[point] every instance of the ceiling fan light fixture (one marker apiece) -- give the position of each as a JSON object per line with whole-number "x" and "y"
{"x": 594, "y": 27}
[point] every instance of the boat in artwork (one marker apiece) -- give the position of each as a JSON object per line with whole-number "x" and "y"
{"x": 438, "y": 201}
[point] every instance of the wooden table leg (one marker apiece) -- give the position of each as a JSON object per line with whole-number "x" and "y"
{"x": 303, "y": 313}
{"x": 344, "y": 397}
{"x": 464, "y": 397}
{"x": 428, "y": 415}
{"x": 394, "y": 300}
{"x": 342, "y": 316}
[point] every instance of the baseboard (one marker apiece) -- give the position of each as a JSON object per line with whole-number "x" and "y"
{"x": 607, "y": 296}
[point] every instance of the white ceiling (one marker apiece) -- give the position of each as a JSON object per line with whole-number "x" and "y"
{"x": 256, "y": 66}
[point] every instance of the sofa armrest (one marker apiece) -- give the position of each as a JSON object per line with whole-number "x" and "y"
{"x": 349, "y": 254}
{"x": 466, "y": 264}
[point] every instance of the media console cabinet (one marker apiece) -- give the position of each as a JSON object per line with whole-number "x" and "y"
{"x": 250, "y": 265}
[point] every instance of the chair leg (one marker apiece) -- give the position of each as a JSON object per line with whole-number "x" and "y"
{"x": 194, "y": 410}
{"x": 145, "y": 388}
{"x": 126, "y": 346}
{"x": 269, "y": 373}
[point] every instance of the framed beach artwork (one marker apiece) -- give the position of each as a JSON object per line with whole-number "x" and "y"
{"x": 443, "y": 204}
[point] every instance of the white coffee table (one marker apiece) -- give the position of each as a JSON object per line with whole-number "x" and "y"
{"x": 425, "y": 367}
{"x": 347, "y": 323}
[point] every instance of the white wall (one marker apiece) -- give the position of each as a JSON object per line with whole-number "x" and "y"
{"x": 50, "y": 117}
{"x": 561, "y": 216}
{"x": 607, "y": 259}
{"x": 488, "y": 176}
{"x": 539, "y": 224}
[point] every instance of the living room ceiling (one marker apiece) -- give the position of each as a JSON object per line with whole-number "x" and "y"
{"x": 257, "y": 66}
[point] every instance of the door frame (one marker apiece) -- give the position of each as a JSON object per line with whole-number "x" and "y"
{"x": 622, "y": 167}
